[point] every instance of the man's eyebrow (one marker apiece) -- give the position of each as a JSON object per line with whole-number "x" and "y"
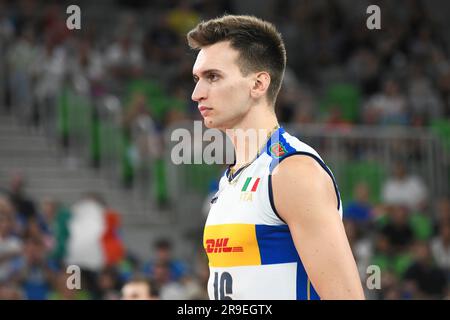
{"x": 208, "y": 71}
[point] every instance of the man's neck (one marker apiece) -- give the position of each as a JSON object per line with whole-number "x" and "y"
{"x": 251, "y": 134}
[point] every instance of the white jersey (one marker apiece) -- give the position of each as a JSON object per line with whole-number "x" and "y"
{"x": 250, "y": 249}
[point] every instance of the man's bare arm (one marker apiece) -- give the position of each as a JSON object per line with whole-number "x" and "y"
{"x": 305, "y": 198}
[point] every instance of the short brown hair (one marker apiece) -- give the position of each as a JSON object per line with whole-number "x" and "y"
{"x": 258, "y": 42}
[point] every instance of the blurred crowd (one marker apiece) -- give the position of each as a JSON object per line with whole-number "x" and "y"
{"x": 339, "y": 73}
{"x": 405, "y": 235}
{"x": 343, "y": 74}
{"x": 40, "y": 240}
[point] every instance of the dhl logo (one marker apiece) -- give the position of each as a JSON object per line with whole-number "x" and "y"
{"x": 220, "y": 245}
{"x": 218, "y": 242}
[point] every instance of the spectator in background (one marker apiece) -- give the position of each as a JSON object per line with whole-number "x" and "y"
{"x": 442, "y": 214}
{"x": 359, "y": 209}
{"x": 440, "y": 248}
{"x": 142, "y": 130}
{"x": 24, "y": 205}
{"x": 404, "y": 189}
{"x": 382, "y": 255}
{"x": 183, "y": 18}
{"x": 93, "y": 241}
{"x": 364, "y": 68}
{"x": 286, "y": 105}
{"x": 56, "y": 233}
{"x": 113, "y": 247}
{"x": 168, "y": 288}
{"x": 108, "y": 284}
{"x": 139, "y": 288}
{"x": 47, "y": 215}
{"x": 424, "y": 277}
{"x": 443, "y": 84}
{"x": 423, "y": 98}
{"x": 87, "y": 68}
{"x": 424, "y": 43}
{"x": 86, "y": 227}
{"x": 164, "y": 258}
{"x": 176, "y": 112}
{"x": 296, "y": 99}
{"x": 390, "y": 287}
{"x": 7, "y": 25}
{"x": 10, "y": 243}
{"x": 387, "y": 107}
{"x": 50, "y": 67}
{"x": 60, "y": 290}
{"x": 20, "y": 58}
{"x": 161, "y": 43}
{"x": 128, "y": 267}
{"x": 124, "y": 58}
{"x": 197, "y": 285}
{"x": 10, "y": 291}
{"x": 397, "y": 230}
{"x": 54, "y": 22}
{"x": 34, "y": 229}
{"x": 32, "y": 270}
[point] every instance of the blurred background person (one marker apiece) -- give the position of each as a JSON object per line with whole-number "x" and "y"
{"x": 139, "y": 288}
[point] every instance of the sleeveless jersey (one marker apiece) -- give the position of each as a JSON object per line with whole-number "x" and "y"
{"x": 250, "y": 249}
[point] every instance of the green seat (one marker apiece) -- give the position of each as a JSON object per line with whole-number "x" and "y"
{"x": 74, "y": 115}
{"x": 441, "y": 128}
{"x": 159, "y": 106}
{"x": 127, "y": 162}
{"x": 148, "y": 87}
{"x": 397, "y": 264}
{"x": 402, "y": 262}
{"x": 369, "y": 172}
{"x": 421, "y": 225}
{"x": 346, "y": 96}
{"x": 62, "y": 114}
{"x": 111, "y": 138}
{"x": 159, "y": 103}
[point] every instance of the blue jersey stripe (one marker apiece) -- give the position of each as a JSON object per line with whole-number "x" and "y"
{"x": 276, "y": 246}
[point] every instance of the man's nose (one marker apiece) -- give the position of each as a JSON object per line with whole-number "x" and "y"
{"x": 199, "y": 92}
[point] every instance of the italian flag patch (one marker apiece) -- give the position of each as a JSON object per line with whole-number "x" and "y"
{"x": 251, "y": 184}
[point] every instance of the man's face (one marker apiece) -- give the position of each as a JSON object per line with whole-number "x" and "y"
{"x": 136, "y": 291}
{"x": 221, "y": 91}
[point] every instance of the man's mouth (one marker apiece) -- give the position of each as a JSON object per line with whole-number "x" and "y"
{"x": 204, "y": 110}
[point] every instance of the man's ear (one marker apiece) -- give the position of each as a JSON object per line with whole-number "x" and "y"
{"x": 261, "y": 82}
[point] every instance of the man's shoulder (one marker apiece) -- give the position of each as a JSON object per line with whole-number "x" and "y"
{"x": 300, "y": 166}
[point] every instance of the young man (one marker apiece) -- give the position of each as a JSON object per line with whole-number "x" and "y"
{"x": 274, "y": 230}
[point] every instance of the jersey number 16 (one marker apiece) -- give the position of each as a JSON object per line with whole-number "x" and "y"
{"x": 223, "y": 287}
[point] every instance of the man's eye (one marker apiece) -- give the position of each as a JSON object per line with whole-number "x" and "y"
{"x": 213, "y": 77}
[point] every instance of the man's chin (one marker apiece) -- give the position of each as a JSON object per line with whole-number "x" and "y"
{"x": 209, "y": 123}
